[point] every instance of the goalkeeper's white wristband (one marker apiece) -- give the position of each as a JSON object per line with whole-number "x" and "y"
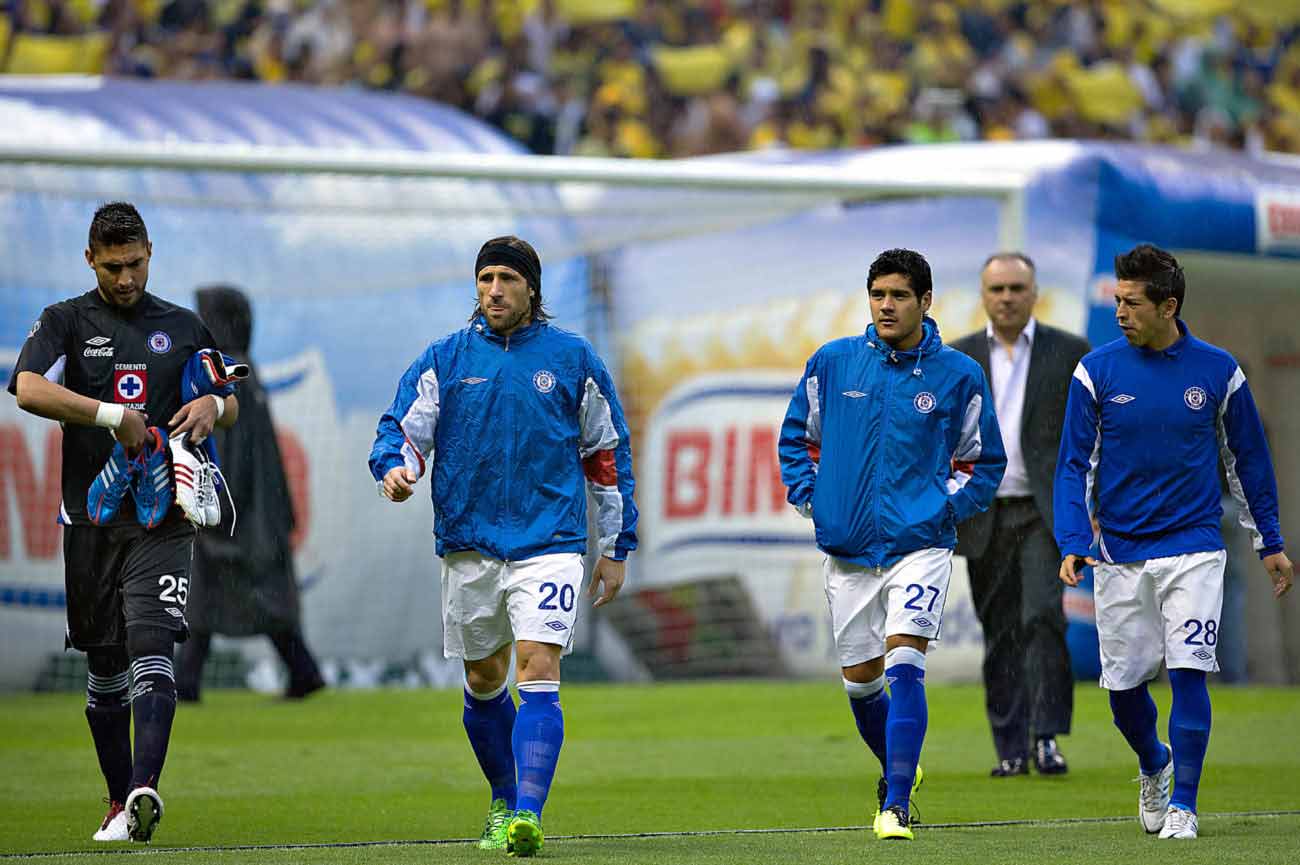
{"x": 109, "y": 415}
{"x": 221, "y": 405}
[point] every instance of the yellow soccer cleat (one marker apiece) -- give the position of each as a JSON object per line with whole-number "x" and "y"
{"x": 524, "y": 835}
{"x": 893, "y": 825}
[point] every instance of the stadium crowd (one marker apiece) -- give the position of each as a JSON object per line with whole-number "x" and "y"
{"x": 661, "y": 78}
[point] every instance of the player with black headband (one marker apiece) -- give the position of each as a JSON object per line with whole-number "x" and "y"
{"x": 113, "y": 358}
{"x": 518, "y": 421}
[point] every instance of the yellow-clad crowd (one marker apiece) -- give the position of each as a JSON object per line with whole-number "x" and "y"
{"x": 661, "y": 78}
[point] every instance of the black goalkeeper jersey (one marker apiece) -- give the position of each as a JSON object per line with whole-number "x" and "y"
{"x": 133, "y": 357}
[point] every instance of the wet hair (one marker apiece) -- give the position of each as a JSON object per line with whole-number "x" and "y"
{"x": 1011, "y": 255}
{"x": 518, "y": 255}
{"x": 117, "y": 223}
{"x": 1157, "y": 270}
{"x": 906, "y": 262}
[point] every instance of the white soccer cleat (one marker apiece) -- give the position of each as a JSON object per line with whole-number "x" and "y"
{"x": 207, "y": 493}
{"x": 1180, "y": 823}
{"x": 113, "y": 828}
{"x": 195, "y": 482}
{"x": 144, "y": 811}
{"x": 1153, "y": 796}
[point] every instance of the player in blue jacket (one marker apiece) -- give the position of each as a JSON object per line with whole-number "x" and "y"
{"x": 890, "y": 441}
{"x": 518, "y": 421}
{"x": 1148, "y": 419}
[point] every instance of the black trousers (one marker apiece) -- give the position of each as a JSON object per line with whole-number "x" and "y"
{"x": 1017, "y": 594}
{"x": 304, "y": 675}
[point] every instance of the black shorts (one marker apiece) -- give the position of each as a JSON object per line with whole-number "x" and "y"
{"x": 119, "y": 577}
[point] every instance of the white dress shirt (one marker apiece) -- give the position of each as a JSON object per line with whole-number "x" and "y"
{"x": 1010, "y": 372}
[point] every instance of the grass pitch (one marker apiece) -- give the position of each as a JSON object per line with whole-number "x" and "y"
{"x": 680, "y": 773}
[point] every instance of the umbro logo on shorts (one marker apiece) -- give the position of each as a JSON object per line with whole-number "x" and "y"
{"x": 922, "y": 621}
{"x": 1122, "y": 398}
{"x": 1202, "y": 654}
{"x": 557, "y": 626}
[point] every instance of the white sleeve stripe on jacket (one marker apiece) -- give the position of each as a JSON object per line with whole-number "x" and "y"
{"x": 595, "y": 423}
{"x": 597, "y": 433}
{"x": 971, "y": 443}
{"x": 609, "y": 516}
{"x": 1234, "y": 385}
{"x": 1090, "y": 480}
{"x": 813, "y": 425}
{"x": 419, "y": 423}
{"x": 1244, "y": 515}
{"x": 1081, "y": 373}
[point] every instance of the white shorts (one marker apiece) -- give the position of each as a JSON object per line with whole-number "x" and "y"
{"x": 488, "y": 603}
{"x": 869, "y": 604}
{"x": 1161, "y": 609}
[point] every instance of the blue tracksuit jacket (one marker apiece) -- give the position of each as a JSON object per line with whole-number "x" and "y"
{"x": 1144, "y": 433}
{"x": 516, "y": 429}
{"x": 892, "y": 448}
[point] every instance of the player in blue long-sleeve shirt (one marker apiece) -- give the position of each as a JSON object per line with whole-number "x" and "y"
{"x": 1149, "y": 418}
{"x": 890, "y": 441}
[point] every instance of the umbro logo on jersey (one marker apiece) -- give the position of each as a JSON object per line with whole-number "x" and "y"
{"x": 99, "y": 347}
{"x": 473, "y": 380}
{"x": 1122, "y": 398}
{"x": 854, "y": 394}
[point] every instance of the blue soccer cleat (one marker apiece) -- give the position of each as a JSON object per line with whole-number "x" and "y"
{"x": 104, "y": 497}
{"x": 153, "y": 480}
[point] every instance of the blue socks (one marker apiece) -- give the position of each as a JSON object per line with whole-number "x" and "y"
{"x": 1135, "y": 716}
{"x": 538, "y": 735}
{"x": 870, "y": 704}
{"x": 1189, "y": 734}
{"x": 490, "y": 722}
{"x": 906, "y": 722}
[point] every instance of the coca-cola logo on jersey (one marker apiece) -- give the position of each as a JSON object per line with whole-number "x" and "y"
{"x": 98, "y": 346}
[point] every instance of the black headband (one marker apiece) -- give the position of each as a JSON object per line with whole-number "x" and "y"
{"x": 515, "y": 259}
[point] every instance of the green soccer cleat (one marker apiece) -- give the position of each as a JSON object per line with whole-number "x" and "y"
{"x": 524, "y": 835}
{"x": 882, "y": 789}
{"x": 494, "y": 827}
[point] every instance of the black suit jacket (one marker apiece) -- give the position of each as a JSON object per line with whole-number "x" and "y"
{"x": 1052, "y": 360}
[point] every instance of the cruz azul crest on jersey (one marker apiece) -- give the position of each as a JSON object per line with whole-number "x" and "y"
{"x": 544, "y": 381}
{"x": 130, "y": 384}
{"x": 925, "y": 402}
{"x": 159, "y": 342}
{"x": 1195, "y": 398}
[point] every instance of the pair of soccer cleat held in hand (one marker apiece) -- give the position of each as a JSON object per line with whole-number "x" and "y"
{"x": 171, "y": 470}
{"x": 162, "y": 472}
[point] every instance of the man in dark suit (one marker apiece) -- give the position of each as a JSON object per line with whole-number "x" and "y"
{"x": 1010, "y": 551}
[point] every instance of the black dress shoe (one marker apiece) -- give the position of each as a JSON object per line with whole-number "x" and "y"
{"x": 1007, "y": 768}
{"x": 1048, "y": 759}
{"x": 300, "y": 691}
